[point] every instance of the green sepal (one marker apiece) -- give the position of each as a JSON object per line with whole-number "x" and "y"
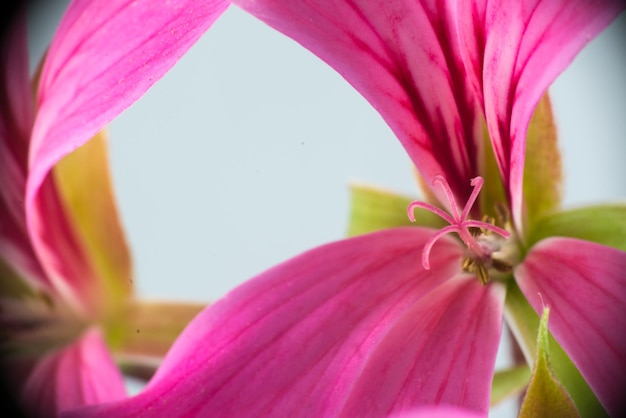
{"x": 508, "y": 382}
{"x": 147, "y": 329}
{"x": 144, "y": 331}
{"x": 545, "y": 396}
{"x": 373, "y": 209}
{"x": 524, "y": 323}
{"x": 604, "y": 225}
{"x": 543, "y": 174}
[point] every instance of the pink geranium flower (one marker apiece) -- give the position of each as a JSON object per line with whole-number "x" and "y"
{"x": 64, "y": 267}
{"x": 384, "y": 322}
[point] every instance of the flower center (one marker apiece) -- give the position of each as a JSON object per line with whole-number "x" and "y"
{"x": 482, "y": 240}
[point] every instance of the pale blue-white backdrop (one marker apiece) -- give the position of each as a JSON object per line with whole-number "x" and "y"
{"x": 240, "y": 156}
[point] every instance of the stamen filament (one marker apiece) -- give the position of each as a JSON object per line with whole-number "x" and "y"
{"x": 431, "y": 241}
{"x": 432, "y": 208}
{"x": 449, "y": 195}
{"x": 477, "y": 183}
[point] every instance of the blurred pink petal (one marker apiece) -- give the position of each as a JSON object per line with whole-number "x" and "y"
{"x": 305, "y": 337}
{"x": 584, "y": 285}
{"x": 514, "y": 51}
{"x": 441, "y": 411}
{"x": 16, "y": 247}
{"x": 81, "y": 374}
{"x": 16, "y": 116}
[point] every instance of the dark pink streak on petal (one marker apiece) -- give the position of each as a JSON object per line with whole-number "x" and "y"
{"x": 404, "y": 58}
{"x": 457, "y": 327}
{"x": 16, "y": 118}
{"x": 521, "y": 47}
{"x": 295, "y": 340}
{"x": 82, "y": 374}
{"x": 584, "y": 284}
{"x": 104, "y": 56}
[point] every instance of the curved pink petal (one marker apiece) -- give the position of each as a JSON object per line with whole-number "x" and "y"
{"x": 584, "y": 284}
{"x": 403, "y": 56}
{"x": 104, "y": 56}
{"x": 514, "y": 51}
{"x": 82, "y": 374}
{"x": 303, "y": 338}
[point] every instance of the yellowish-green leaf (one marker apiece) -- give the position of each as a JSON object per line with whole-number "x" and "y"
{"x": 83, "y": 181}
{"x": 524, "y": 323}
{"x": 148, "y": 328}
{"x": 509, "y": 382}
{"x": 604, "y": 225}
{"x": 373, "y": 209}
{"x": 545, "y": 397}
{"x": 543, "y": 176}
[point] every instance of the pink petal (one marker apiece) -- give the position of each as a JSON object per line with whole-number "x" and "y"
{"x": 16, "y": 117}
{"x": 584, "y": 284}
{"x": 458, "y": 329}
{"x": 304, "y": 337}
{"x": 515, "y": 50}
{"x": 404, "y": 58}
{"x": 82, "y": 374}
{"x": 104, "y": 56}
{"x": 439, "y": 412}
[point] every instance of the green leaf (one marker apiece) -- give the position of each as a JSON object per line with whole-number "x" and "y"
{"x": 543, "y": 176}
{"x": 373, "y": 209}
{"x": 524, "y": 323}
{"x": 545, "y": 396}
{"x": 604, "y": 225}
{"x": 508, "y": 382}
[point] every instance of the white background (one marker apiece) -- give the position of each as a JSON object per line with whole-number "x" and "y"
{"x": 239, "y": 158}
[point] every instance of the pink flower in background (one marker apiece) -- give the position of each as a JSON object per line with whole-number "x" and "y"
{"x": 385, "y": 322}
{"x": 64, "y": 266}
